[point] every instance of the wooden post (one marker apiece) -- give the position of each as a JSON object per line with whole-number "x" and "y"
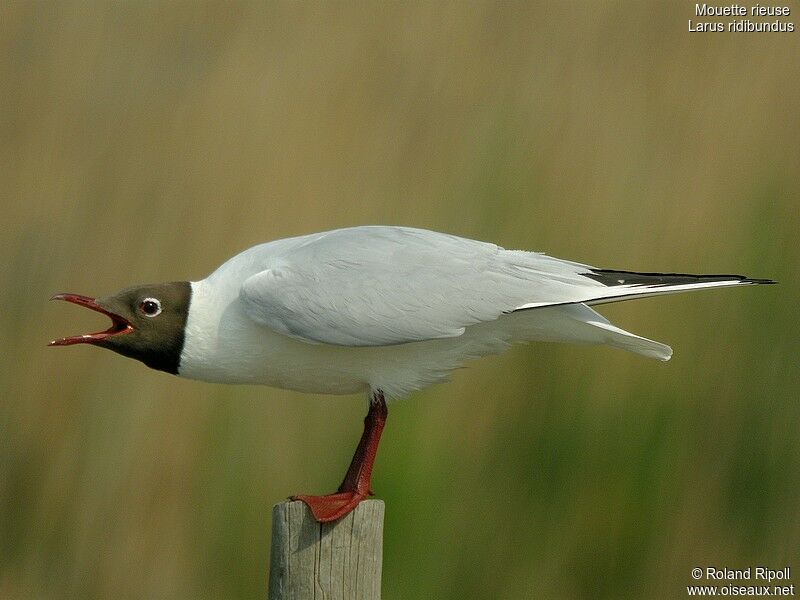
{"x": 331, "y": 561}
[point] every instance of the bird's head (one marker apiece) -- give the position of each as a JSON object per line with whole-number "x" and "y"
{"x": 147, "y": 323}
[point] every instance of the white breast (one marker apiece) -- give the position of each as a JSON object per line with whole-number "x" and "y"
{"x": 223, "y": 345}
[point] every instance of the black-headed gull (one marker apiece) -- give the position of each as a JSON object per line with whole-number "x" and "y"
{"x": 380, "y": 310}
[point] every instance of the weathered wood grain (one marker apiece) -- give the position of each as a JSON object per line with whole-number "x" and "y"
{"x": 326, "y": 561}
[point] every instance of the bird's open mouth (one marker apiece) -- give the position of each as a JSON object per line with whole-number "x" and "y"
{"x": 119, "y": 325}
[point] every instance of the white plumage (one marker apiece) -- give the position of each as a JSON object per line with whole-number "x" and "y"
{"x": 396, "y": 309}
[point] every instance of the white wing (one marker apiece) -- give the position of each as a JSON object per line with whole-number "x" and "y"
{"x": 373, "y": 286}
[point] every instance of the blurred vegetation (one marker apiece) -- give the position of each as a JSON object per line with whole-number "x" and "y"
{"x": 148, "y": 141}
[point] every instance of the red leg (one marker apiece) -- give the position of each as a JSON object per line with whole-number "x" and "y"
{"x": 355, "y": 486}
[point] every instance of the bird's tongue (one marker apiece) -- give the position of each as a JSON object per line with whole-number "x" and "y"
{"x": 119, "y": 325}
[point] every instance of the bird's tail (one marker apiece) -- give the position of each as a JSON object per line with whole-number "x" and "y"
{"x": 576, "y": 322}
{"x": 619, "y": 338}
{"x": 579, "y": 324}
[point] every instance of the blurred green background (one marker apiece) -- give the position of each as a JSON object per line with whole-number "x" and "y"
{"x": 149, "y": 141}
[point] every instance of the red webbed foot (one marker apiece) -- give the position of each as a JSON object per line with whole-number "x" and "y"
{"x": 331, "y": 507}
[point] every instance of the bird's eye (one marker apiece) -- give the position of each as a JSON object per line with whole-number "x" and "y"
{"x": 150, "y": 307}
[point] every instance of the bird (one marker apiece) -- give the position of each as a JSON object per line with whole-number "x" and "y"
{"x": 378, "y": 310}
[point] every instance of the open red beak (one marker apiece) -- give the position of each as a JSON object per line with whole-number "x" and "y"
{"x": 119, "y": 325}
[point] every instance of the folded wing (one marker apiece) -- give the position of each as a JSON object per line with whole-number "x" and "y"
{"x": 373, "y": 286}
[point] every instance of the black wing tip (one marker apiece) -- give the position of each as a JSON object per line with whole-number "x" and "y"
{"x": 613, "y": 277}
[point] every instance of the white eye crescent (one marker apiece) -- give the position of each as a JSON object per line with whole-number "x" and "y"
{"x": 150, "y": 307}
